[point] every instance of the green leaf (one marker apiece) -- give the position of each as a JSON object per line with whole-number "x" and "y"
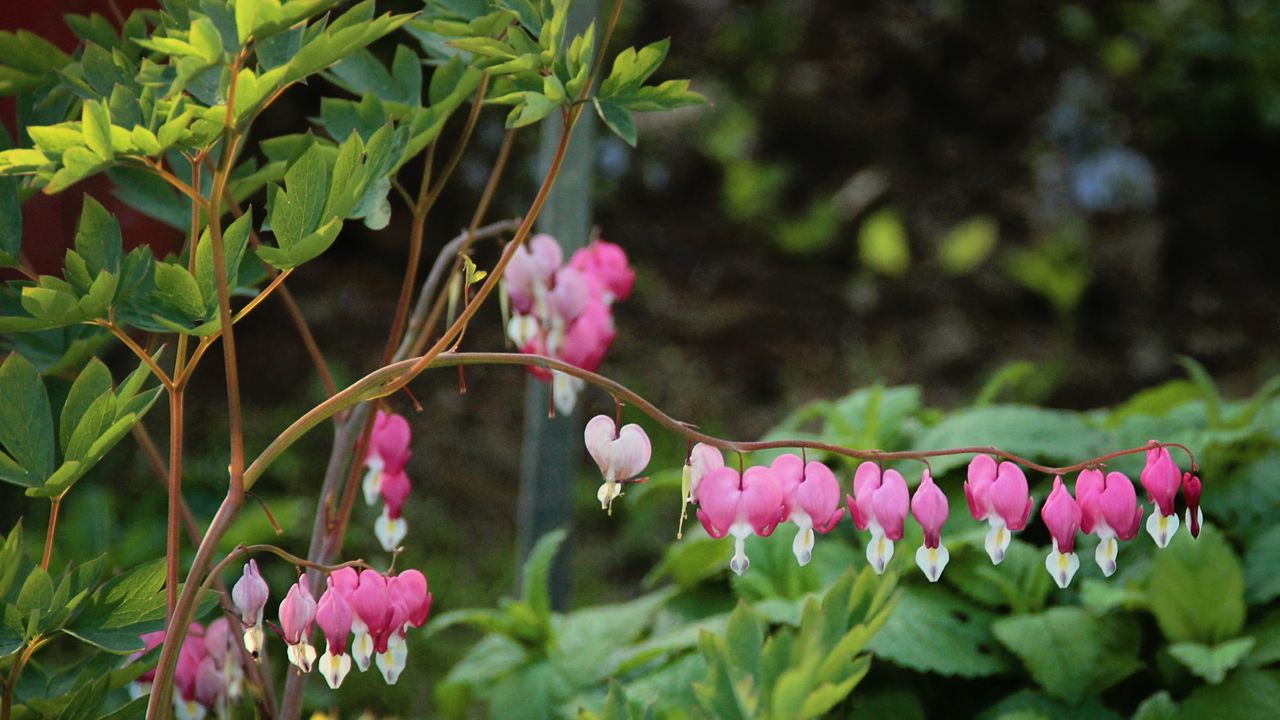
{"x": 98, "y": 238}
{"x": 96, "y": 122}
{"x": 1246, "y": 695}
{"x": 1157, "y": 707}
{"x": 1176, "y": 589}
{"x": 933, "y": 631}
{"x": 535, "y": 107}
{"x": 92, "y": 383}
{"x": 1212, "y": 663}
{"x": 235, "y": 239}
{"x": 206, "y": 40}
{"x": 85, "y": 700}
{"x": 882, "y": 244}
{"x": 1260, "y": 562}
{"x": 178, "y": 289}
{"x": 26, "y": 421}
{"x": 36, "y": 592}
{"x": 11, "y": 558}
{"x": 1069, "y": 653}
{"x": 536, "y": 575}
{"x": 122, "y": 609}
{"x": 618, "y": 119}
{"x": 615, "y": 703}
{"x": 966, "y": 246}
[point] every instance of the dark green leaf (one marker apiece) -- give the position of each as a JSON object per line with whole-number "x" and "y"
{"x": 933, "y": 631}
{"x": 92, "y": 383}
{"x": 26, "y": 421}
{"x": 618, "y": 119}
{"x": 1176, "y": 589}
{"x": 98, "y": 238}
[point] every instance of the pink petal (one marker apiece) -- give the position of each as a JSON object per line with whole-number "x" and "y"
{"x": 1089, "y": 487}
{"x": 718, "y": 500}
{"x": 395, "y": 491}
{"x": 630, "y": 453}
{"x": 892, "y": 502}
{"x": 1161, "y": 479}
{"x": 1009, "y": 496}
{"x": 334, "y": 616}
{"x": 412, "y": 586}
{"x": 390, "y": 440}
{"x": 819, "y": 496}
{"x": 297, "y": 612}
{"x": 982, "y": 473}
{"x": 1118, "y": 504}
{"x": 599, "y": 435}
{"x": 702, "y": 460}
{"x": 762, "y": 500}
{"x": 788, "y": 470}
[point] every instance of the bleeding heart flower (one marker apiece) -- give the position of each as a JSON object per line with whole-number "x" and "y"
{"x": 388, "y": 452}
{"x": 371, "y": 603}
{"x": 1062, "y": 515}
{"x": 530, "y": 270}
{"x": 608, "y": 262}
{"x": 880, "y": 502}
{"x": 297, "y": 613}
{"x": 1161, "y": 479}
{"x": 811, "y": 500}
{"x": 1109, "y": 509}
{"x": 930, "y": 508}
{"x": 740, "y": 505}
{"x": 999, "y": 495}
{"x": 390, "y": 527}
{"x": 249, "y": 595}
{"x": 620, "y": 454}
{"x": 334, "y": 616}
{"x": 1191, "y": 491}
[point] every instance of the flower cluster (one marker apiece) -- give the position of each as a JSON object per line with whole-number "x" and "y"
{"x": 209, "y": 677}
{"x": 371, "y": 610}
{"x": 385, "y": 477}
{"x": 565, "y": 310}
{"x": 756, "y": 501}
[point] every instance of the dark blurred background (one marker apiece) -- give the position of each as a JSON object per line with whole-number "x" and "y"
{"x": 908, "y": 192}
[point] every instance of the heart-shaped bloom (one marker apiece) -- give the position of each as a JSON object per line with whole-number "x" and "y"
{"x": 390, "y": 527}
{"x": 740, "y": 505}
{"x": 999, "y": 495}
{"x": 608, "y": 262}
{"x": 1161, "y": 479}
{"x": 371, "y": 603}
{"x": 930, "y": 508}
{"x": 411, "y": 603}
{"x": 297, "y": 613}
{"x": 620, "y": 454}
{"x": 811, "y": 500}
{"x": 249, "y": 595}
{"x": 587, "y": 339}
{"x": 334, "y": 616}
{"x": 880, "y": 503}
{"x": 702, "y": 459}
{"x": 571, "y": 294}
{"x": 530, "y": 270}
{"x": 1191, "y": 488}
{"x": 1062, "y": 515}
{"x": 388, "y": 452}
{"x": 1109, "y": 509}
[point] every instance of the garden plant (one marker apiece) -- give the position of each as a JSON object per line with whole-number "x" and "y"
{"x": 929, "y": 573}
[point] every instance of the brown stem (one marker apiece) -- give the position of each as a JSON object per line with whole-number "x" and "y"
{"x": 137, "y": 349}
{"x": 173, "y": 542}
{"x": 54, "y": 504}
{"x": 11, "y": 685}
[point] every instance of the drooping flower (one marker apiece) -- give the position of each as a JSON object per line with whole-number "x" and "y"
{"x": 930, "y": 508}
{"x": 334, "y": 616}
{"x": 530, "y": 269}
{"x": 1109, "y": 509}
{"x": 221, "y": 646}
{"x": 608, "y": 262}
{"x": 388, "y": 452}
{"x": 297, "y": 613}
{"x": 1191, "y": 491}
{"x": 811, "y": 500}
{"x": 371, "y": 603}
{"x": 620, "y": 454}
{"x": 880, "y": 502}
{"x": 250, "y": 598}
{"x": 1161, "y": 479}
{"x": 1062, "y": 515}
{"x": 998, "y": 494}
{"x": 390, "y": 527}
{"x": 740, "y": 505}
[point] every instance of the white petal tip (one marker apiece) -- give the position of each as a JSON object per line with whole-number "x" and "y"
{"x": 879, "y": 553}
{"x": 390, "y": 532}
{"x": 334, "y": 668}
{"x": 932, "y": 561}
{"x": 303, "y": 656}
{"x": 1062, "y": 566}
{"x": 1162, "y": 528}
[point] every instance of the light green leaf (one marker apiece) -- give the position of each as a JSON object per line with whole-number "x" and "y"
{"x": 122, "y": 609}
{"x": 1157, "y": 707}
{"x": 1246, "y": 695}
{"x": 98, "y": 238}
{"x": 97, "y": 128}
{"x": 1176, "y": 589}
{"x": 967, "y": 245}
{"x": 882, "y": 244}
{"x": 1212, "y": 663}
{"x": 536, "y": 576}
{"x": 206, "y": 40}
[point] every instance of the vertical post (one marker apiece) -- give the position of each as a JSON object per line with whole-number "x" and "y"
{"x": 553, "y": 446}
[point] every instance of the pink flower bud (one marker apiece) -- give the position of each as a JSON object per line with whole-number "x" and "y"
{"x": 389, "y": 441}
{"x": 334, "y": 616}
{"x": 1191, "y": 491}
{"x": 930, "y": 508}
{"x": 588, "y": 338}
{"x": 411, "y": 587}
{"x": 250, "y": 595}
{"x": 297, "y": 613}
{"x": 1061, "y": 514}
{"x": 702, "y": 460}
{"x": 1161, "y": 478}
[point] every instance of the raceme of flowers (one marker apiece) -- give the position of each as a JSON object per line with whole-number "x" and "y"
{"x": 563, "y": 310}
{"x": 385, "y": 477}
{"x": 807, "y": 494}
{"x": 363, "y": 617}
